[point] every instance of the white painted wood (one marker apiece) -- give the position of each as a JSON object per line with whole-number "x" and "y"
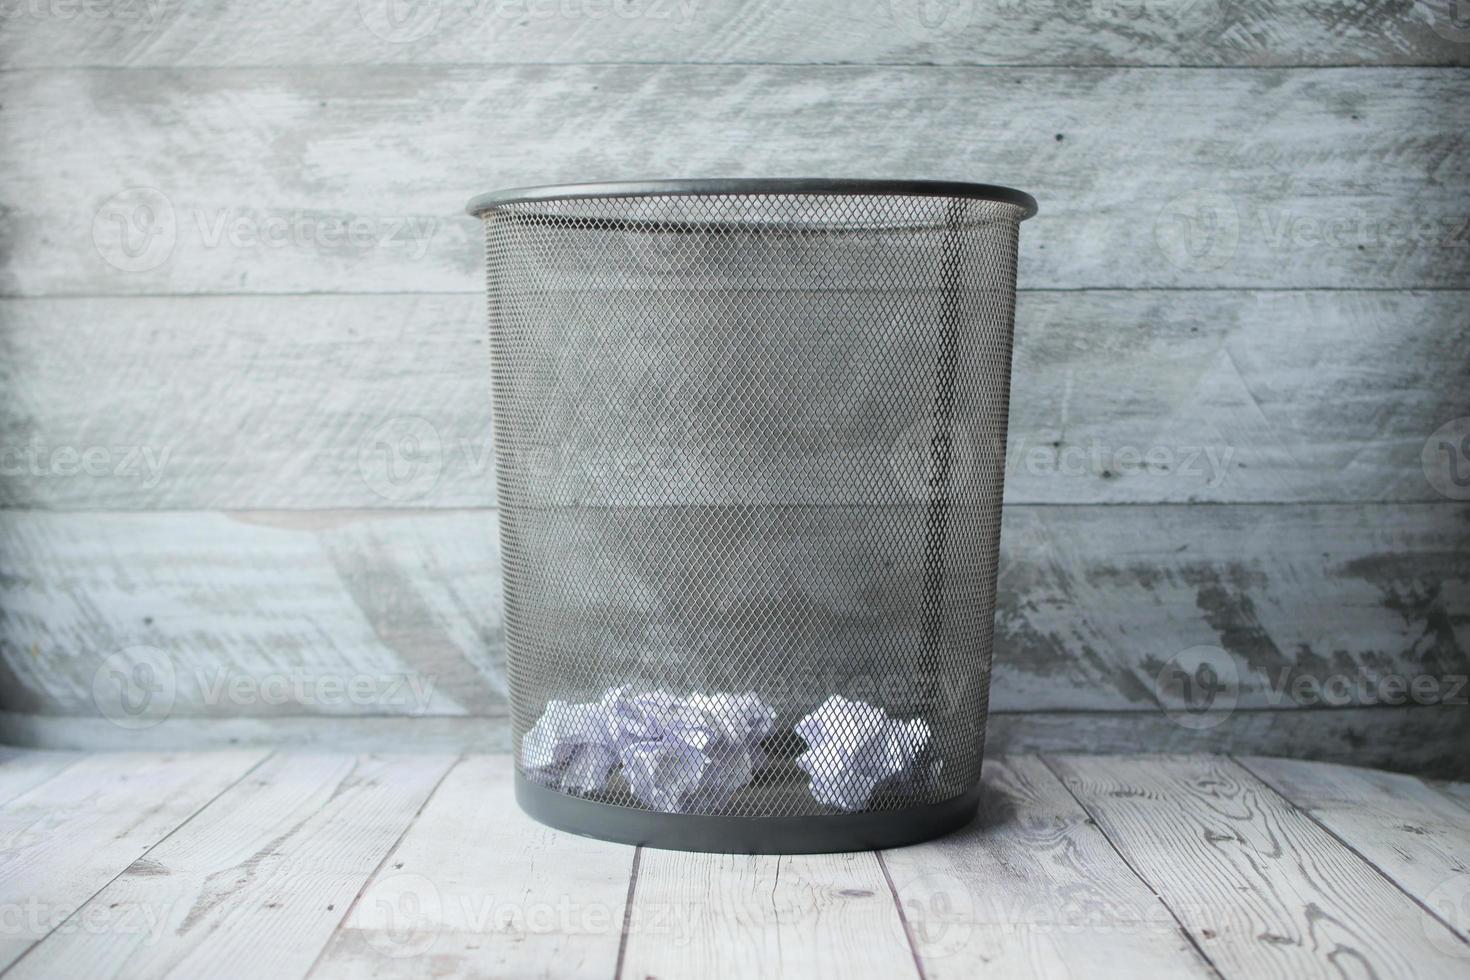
{"x": 66, "y": 838}
{"x": 1033, "y": 888}
{"x": 476, "y": 889}
{"x": 23, "y": 769}
{"x": 280, "y": 32}
{"x": 1459, "y": 790}
{"x": 1279, "y": 592}
{"x": 258, "y": 615}
{"x": 1263, "y": 890}
{"x": 1095, "y": 602}
{"x": 415, "y": 866}
{"x": 1416, "y": 835}
{"x": 254, "y": 885}
{"x": 806, "y": 915}
{"x": 322, "y": 733}
{"x": 1412, "y": 739}
{"x": 302, "y": 402}
{"x": 354, "y": 178}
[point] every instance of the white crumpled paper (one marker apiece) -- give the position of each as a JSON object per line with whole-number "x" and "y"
{"x": 855, "y": 751}
{"x": 678, "y": 755}
{"x": 567, "y": 748}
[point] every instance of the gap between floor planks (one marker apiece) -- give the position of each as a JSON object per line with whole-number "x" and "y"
{"x": 824, "y": 907}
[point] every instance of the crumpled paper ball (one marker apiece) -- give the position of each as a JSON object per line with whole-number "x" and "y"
{"x": 744, "y": 720}
{"x": 567, "y": 748}
{"x": 679, "y": 755}
{"x": 685, "y": 755}
{"x": 855, "y": 751}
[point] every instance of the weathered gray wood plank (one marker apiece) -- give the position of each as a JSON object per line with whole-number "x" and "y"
{"x": 24, "y": 769}
{"x": 1290, "y": 607}
{"x": 1033, "y": 888}
{"x": 1459, "y": 790}
{"x": 1117, "y": 397}
{"x": 353, "y": 178}
{"x": 282, "y": 854}
{"x": 476, "y": 889}
{"x": 807, "y": 915}
{"x": 1416, "y": 835}
{"x": 1263, "y": 890}
{"x": 455, "y": 734}
{"x": 451, "y": 881}
{"x": 66, "y": 838}
{"x": 280, "y": 32}
{"x": 1422, "y": 739}
{"x": 397, "y": 613}
{"x": 280, "y": 614}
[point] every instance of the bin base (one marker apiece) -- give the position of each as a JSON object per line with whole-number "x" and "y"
{"x": 745, "y": 835}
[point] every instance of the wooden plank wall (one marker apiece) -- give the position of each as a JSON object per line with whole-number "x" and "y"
{"x": 235, "y": 275}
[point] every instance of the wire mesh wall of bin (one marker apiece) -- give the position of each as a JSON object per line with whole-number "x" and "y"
{"x": 750, "y": 443}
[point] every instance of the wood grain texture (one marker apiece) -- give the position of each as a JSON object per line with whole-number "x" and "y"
{"x": 1278, "y": 596}
{"x": 454, "y": 734}
{"x": 1458, "y": 790}
{"x": 69, "y": 836}
{"x": 1415, "y": 834}
{"x": 476, "y": 888}
{"x": 1117, "y": 397}
{"x": 262, "y": 615}
{"x": 260, "y": 179}
{"x": 808, "y": 915}
{"x": 398, "y": 613}
{"x": 282, "y": 854}
{"x": 23, "y": 769}
{"x": 1424, "y": 739}
{"x": 279, "y": 32}
{"x": 423, "y": 873}
{"x": 1263, "y": 890}
{"x": 1033, "y": 888}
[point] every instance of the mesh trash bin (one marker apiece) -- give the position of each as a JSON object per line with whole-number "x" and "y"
{"x": 750, "y": 443}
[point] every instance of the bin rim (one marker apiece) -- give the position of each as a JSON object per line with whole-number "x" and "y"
{"x": 753, "y": 186}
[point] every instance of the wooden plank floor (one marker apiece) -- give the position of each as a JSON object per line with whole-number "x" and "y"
{"x": 225, "y": 864}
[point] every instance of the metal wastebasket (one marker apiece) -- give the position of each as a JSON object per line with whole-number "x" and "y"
{"x": 750, "y": 444}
